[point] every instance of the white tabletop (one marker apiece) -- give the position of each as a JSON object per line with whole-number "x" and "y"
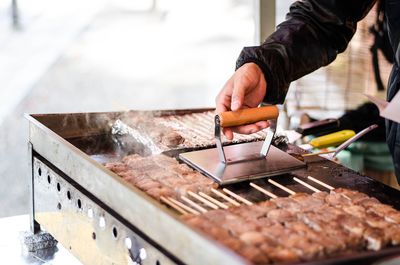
{"x": 11, "y": 251}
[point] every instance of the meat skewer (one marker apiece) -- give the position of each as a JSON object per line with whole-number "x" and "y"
{"x": 303, "y": 227}
{"x": 268, "y": 193}
{"x": 173, "y": 205}
{"x": 220, "y": 204}
{"x": 237, "y": 197}
{"x": 187, "y": 208}
{"x": 321, "y": 183}
{"x": 193, "y": 204}
{"x": 206, "y": 202}
{"x": 306, "y": 185}
{"x": 273, "y": 182}
{"x": 318, "y": 153}
{"x": 223, "y": 196}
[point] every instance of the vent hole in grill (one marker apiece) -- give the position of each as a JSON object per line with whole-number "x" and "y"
{"x": 59, "y": 206}
{"x": 69, "y": 195}
{"x": 115, "y": 232}
{"x": 94, "y": 236}
{"x": 39, "y": 171}
{"x": 58, "y": 187}
{"x": 158, "y": 262}
{"x": 48, "y": 179}
{"x": 90, "y": 213}
{"x": 142, "y": 254}
{"x": 79, "y": 204}
{"x": 128, "y": 243}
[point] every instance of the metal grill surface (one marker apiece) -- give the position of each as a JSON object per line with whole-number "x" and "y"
{"x": 78, "y": 145}
{"x": 195, "y": 128}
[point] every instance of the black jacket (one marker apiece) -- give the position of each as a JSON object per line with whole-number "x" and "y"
{"x": 314, "y": 32}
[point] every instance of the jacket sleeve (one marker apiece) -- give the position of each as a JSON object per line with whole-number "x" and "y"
{"x": 314, "y": 32}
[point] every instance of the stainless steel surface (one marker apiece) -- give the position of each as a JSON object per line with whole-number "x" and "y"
{"x": 353, "y": 139}
{"x": 120, "y": 128}
{"x": 76, "y": 145}
{"x": 34, "y": 227}
{"x": 207, "y": 161}
{"x": 82, "y": 225}
{"x": 217, "y": 134}
{"x": 263, "y": 152}
{"x": 268, "y": 139}
{"x": 395, "y": 260}
{"x": 47, "y": 133}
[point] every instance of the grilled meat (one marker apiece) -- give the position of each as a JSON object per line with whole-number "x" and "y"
{"x": 302, "y": 227}
{"x": 162, "y": 133}
{"x": 160, "y": 175}
{"x": 290, "y": 229}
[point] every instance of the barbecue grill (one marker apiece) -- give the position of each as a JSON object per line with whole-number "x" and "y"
{"x": 94, "y": 213}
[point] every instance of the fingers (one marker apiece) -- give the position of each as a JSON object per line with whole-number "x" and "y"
{"x": 228, "y": 133}
{"x": 262, "y": 124}
{"x": 223, "y": 100}
{"x": 245, "y": 129}
{"x": 250, "y": 128}
{"x": 244, "y": 89}
{"x": 240, "y": 85}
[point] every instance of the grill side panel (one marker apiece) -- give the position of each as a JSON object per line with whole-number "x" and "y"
{"x": 154, "y": 220}
{"x": 80, "y": 224}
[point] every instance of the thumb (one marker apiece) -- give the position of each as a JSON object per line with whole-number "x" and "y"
{"x": 239, "y": 89}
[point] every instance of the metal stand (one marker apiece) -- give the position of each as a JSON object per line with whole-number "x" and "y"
{"x": 35, "y": 239}
{"x": 264, "y": 19}
{"x": 34, "y": 226}
{"x": 263, "y": 152}
{"x": 15, "y": 14}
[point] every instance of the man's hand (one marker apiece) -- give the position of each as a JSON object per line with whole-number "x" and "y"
{"x": 245, "y": 89}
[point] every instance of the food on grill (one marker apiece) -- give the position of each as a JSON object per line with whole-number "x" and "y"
{"x": 162, "y": 133}
{"x": 160, "y": 175}
{"x": 303, "y": 227}
{"x": 172, "y": 139}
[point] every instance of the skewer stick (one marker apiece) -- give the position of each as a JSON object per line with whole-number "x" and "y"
{"x": 329, "y": 187}
{"x": 237, "y": 197}
{"x": 198, "y": 197}
{"x": 173, "y": 205}
{"x": 268, "y": 193}
{"x": 187, "y": 208}
{"x": 273, "y": 182}
{"x": 220, "y": 204}
{"x": 193, "y": 204}
{"x": 319, "y": 153}
{"x": 223, "y": 196}
{"x": 306, "y": 185}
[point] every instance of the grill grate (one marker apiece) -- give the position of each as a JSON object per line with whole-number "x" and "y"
{"x": 195, "y": 128}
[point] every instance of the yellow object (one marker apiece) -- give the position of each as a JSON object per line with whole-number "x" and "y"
{"x": 332, "y": 139}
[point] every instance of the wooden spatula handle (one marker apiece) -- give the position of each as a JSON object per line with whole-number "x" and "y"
{"x": 247, "y": 116}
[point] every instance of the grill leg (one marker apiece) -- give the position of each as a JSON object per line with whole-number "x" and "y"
{"x": 15, "y": 14}
{"x": 35, "y": 240}
{"x": 34, "y": 226}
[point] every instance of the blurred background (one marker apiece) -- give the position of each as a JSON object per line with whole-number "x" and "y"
{"x": 111, "y": 55}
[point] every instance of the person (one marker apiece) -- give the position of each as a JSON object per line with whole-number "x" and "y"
{"x": 314, "y": 32}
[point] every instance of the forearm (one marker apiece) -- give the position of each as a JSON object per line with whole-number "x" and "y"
{"x": 313, "y": 34}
